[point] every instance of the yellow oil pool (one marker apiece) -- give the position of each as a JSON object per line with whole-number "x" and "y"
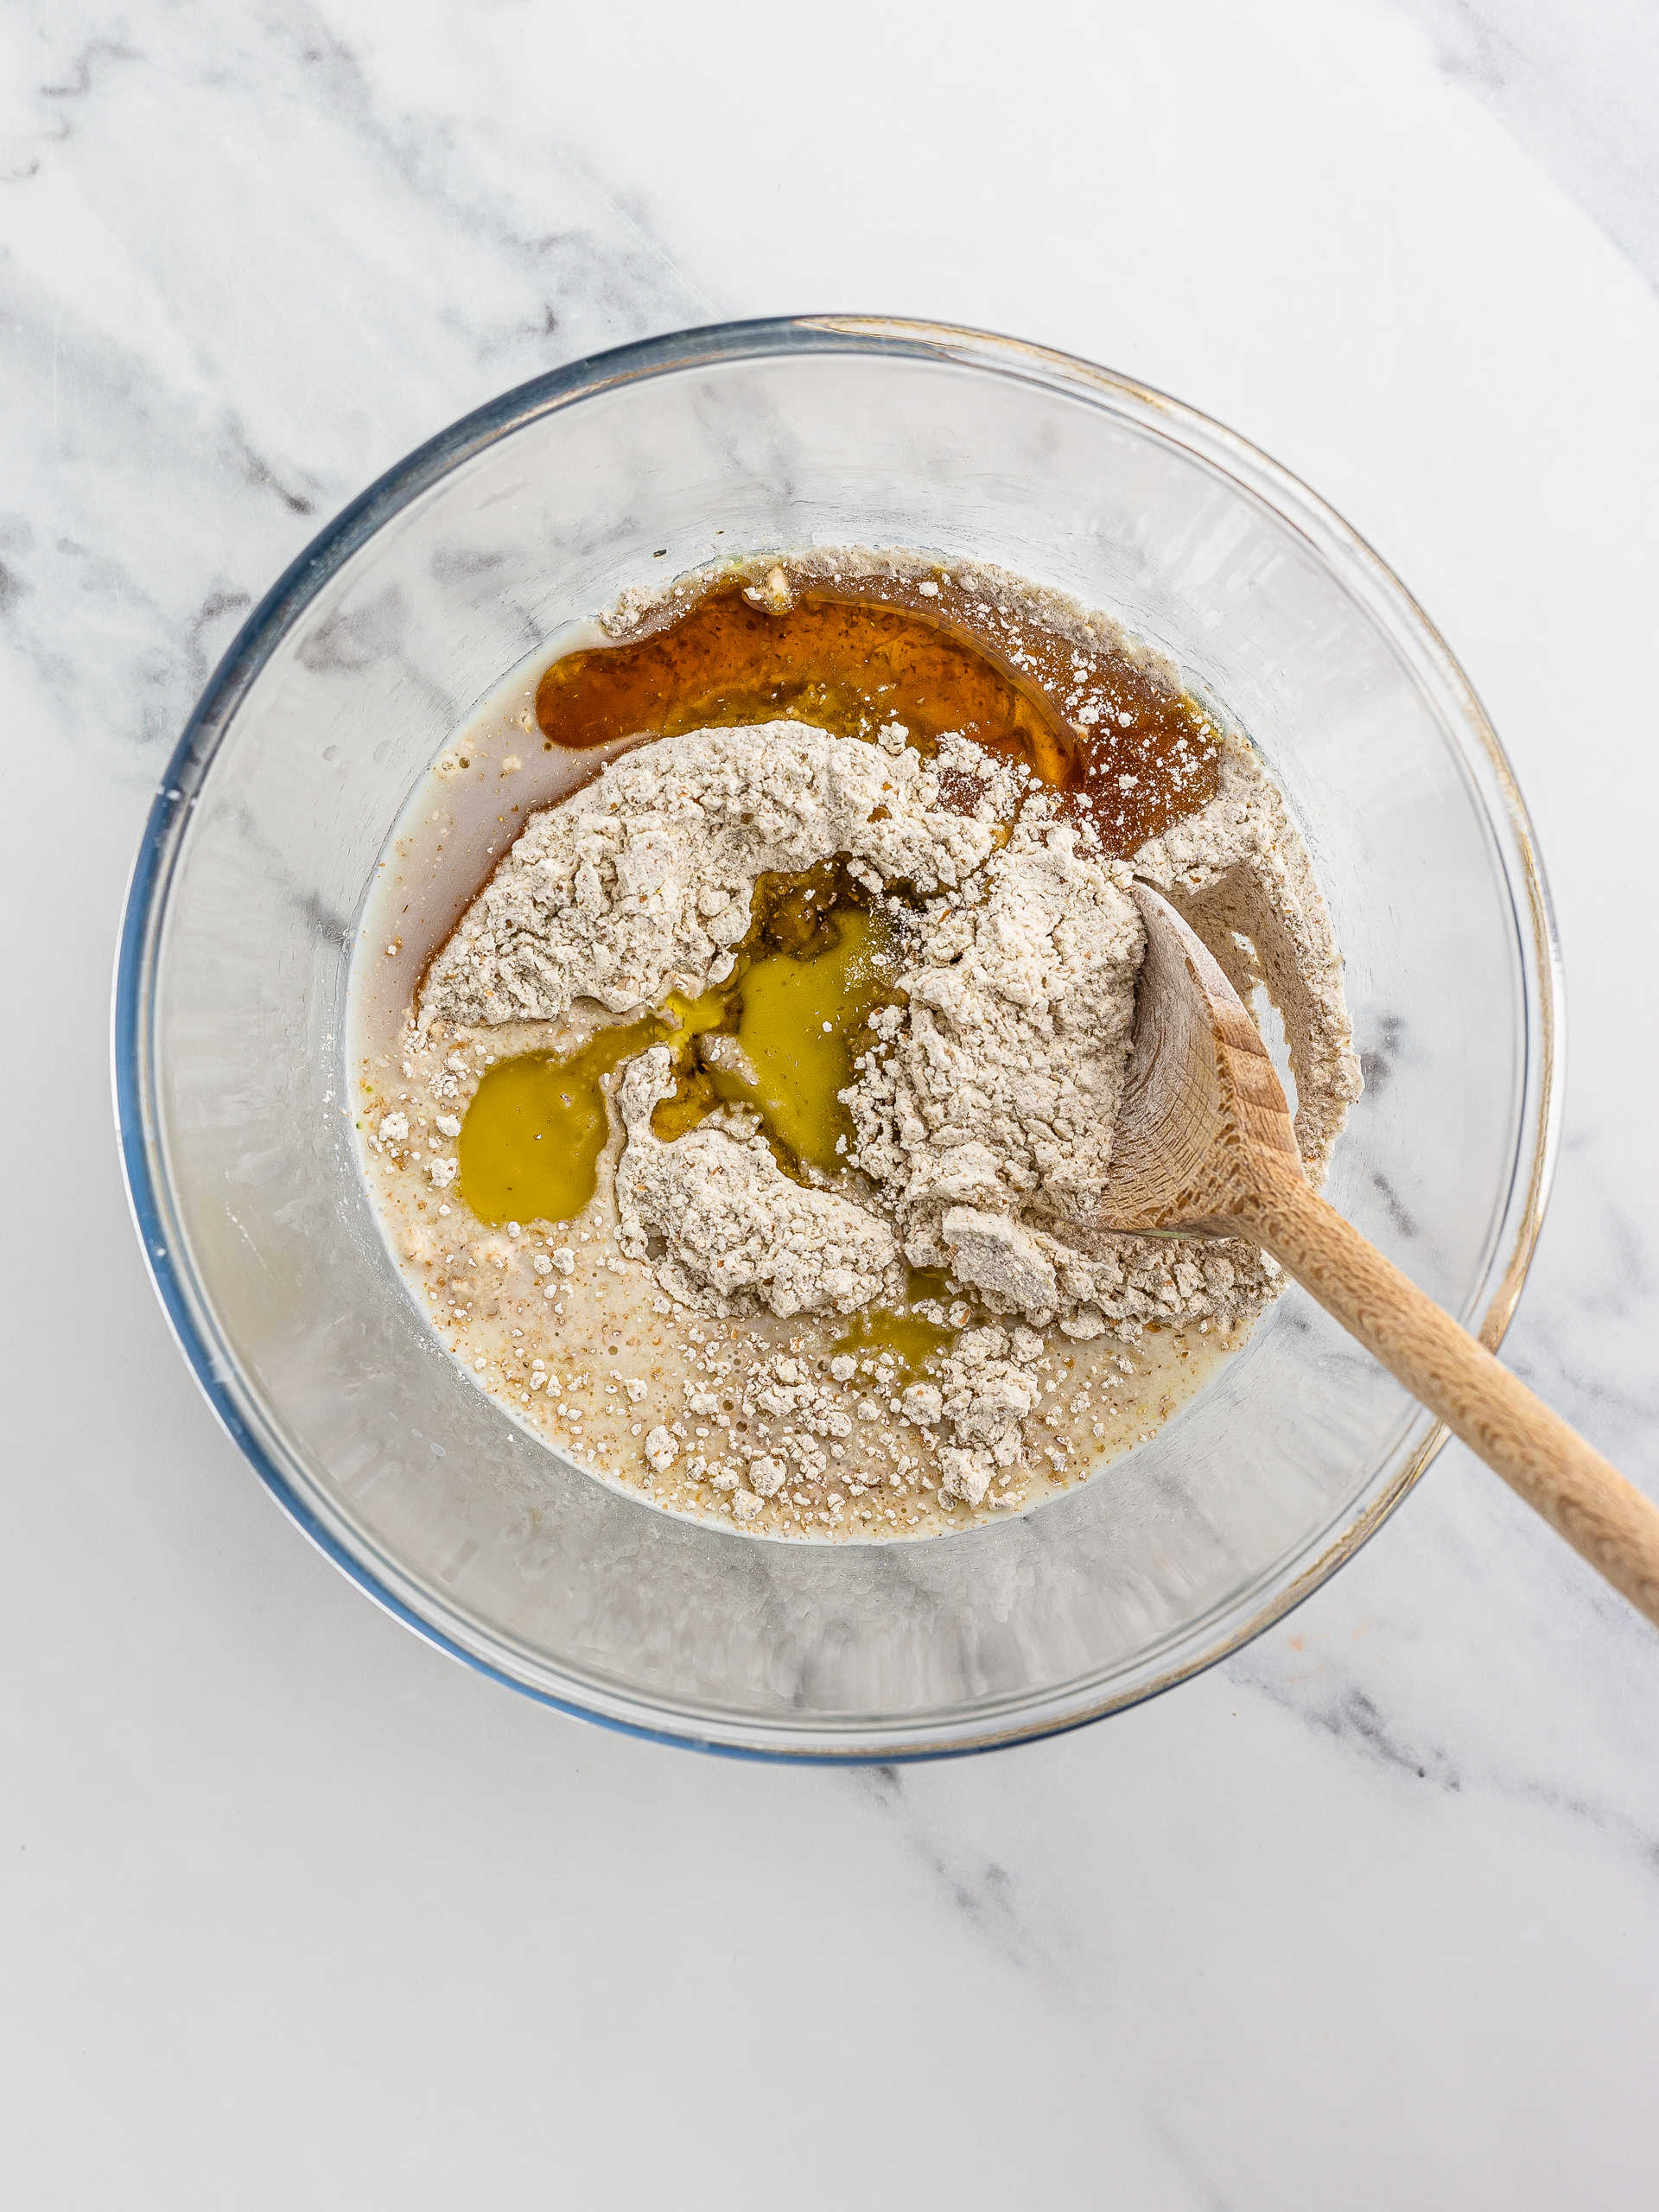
{"x": 816, "y": 965}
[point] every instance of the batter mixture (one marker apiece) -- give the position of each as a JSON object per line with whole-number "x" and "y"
{"x": 743, "y": 1131}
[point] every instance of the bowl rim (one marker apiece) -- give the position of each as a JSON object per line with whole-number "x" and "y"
{"x": 134, "y": 1073}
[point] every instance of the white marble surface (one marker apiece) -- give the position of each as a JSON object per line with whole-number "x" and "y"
{"x": 296, "y": 1912}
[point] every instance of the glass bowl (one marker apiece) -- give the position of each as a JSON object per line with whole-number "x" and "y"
{"x": 230, "y": 1025}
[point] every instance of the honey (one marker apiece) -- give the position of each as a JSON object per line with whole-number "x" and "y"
{"x": 1085, "y": 718}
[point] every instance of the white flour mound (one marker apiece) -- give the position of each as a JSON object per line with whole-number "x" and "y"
{"x": 1238, "y": 870}
{"x": 998, "y": 1089}
{"x": 728, "y": 1221}
{"x": 641, "y": 883}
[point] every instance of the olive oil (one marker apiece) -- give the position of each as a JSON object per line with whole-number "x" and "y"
{"x": 530, "y": 1139}
{"x": 816, "y": 964}
{"x": 910, "y": 1338}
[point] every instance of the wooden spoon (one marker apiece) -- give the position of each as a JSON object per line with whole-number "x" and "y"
{"x": 1205, "y": 1145}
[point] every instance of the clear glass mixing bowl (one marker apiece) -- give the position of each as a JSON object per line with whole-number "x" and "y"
{"x": 229, "y": 1029}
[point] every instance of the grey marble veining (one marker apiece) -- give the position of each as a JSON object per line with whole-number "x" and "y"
{"x": 1576, "y": 93}
{"x": 296, "y": 1912}
{"x": 388, "y": 285}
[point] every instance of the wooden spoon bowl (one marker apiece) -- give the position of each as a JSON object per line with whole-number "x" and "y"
{"x": 1204, "y": 1145}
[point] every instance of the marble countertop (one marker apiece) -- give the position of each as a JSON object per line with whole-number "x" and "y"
{"x": 298, "y": 1912}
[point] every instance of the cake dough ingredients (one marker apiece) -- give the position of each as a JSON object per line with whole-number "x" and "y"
{"x": 949, "y": 1185}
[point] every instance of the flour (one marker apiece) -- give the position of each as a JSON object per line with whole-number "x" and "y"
{"x": 730, "y": 1224}
{"x": 988, "y": 1119}
{"x": 999, "y": 1090}
{"x": 983, "y": 1110}
{"x": 1237, "y": 869}
{"x": 641, "y": 884}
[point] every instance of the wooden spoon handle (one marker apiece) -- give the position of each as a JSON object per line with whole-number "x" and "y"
{"x": 1580, "y": 1493}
